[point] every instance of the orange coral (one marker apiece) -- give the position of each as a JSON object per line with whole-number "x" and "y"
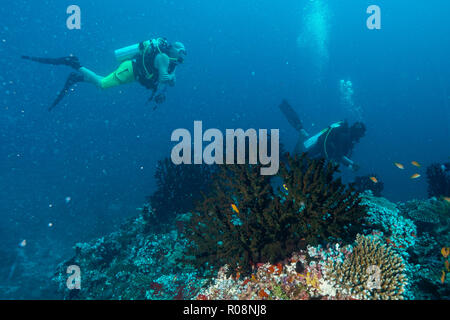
{"x": 445, "y": 252}
{"x": 263, "y": 294}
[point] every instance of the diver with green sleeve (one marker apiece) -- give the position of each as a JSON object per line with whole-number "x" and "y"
{"x": 152, "y": 63}
{"x": 335, "y": 143}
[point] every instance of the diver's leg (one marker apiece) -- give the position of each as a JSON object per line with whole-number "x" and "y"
{"x": 91, "y": 76}
{"x": 123, "y": 74}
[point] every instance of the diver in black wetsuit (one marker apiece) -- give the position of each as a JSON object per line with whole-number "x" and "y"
{"x": 335, "y": 143}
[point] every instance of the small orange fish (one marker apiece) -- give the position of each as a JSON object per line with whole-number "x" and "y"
{"x": 374, "y": 180}
{"x": 399, "y": 165}
{"x": 415, "y": 163}
{"x": 253, "y": 277}
{"x": 415, "y": 176}
{"x": 238, "y": 275}
{"x": 445, "y": 252}
{"x": 443, "y": 277}
{"x": 447, "y": 199}
{"x": 447, "y": 265}
{"x": 235, "y": 209}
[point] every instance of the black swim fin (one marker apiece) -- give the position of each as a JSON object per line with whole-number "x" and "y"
{"x": 70, "y": 61}
{"x": 291, "y": 115}
{"x": 71, "y": 80}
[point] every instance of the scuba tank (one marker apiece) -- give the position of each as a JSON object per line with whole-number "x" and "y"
{"x": 313, "y": 140}
{"x": 129, "y": 52}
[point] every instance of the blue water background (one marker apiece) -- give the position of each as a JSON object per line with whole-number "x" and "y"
{"x": 100, "y": 148}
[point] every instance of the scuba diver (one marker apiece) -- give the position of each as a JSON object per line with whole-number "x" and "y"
{"x": 152, "y": 63}
{"x": 335, "y": 143}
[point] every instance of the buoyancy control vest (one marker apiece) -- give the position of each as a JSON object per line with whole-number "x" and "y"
{"x": 144, "y": 62}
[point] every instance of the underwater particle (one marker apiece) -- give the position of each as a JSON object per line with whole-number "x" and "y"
{"x": 50, "y": 205}
{"x": 415, "y": 176}
{"x": 23, "y": 243}
{"x": 253, "y": 73}
{"x": 142, "y": 168}
{"x": 374, "y": 179}
{"x": 50, "y": 224}
{"x": 399, "y": 165}
{"x": 235, "y": 209}
{"x": 68, "y": 199}
{"x": 415, "y": 163}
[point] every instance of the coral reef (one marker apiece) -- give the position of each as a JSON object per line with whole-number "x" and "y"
{"x": 438, "y": 178}
{"x": 432, "y": 219}
{"x": 372, "y": 271}
{"x": 267, "y": 225}
{"x": 363, "y": 183}
{"x": 432, "y": 215}
{"x": 299, "y": 277}
{"x": 387, "y": 219}
{"x": 179, "y": 187}
{"x": 132, "y": 264}
{"x": 138, "y": 262}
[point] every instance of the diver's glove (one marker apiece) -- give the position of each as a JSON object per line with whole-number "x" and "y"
{"x": 172, "y": 81}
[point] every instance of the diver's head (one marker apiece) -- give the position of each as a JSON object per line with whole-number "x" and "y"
{"x": 357, "y": 131}
{"x": 177, "y": 51}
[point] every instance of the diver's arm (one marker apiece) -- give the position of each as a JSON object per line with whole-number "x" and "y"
{"x": 162, "y": 64}
{"x": 349, "y": 163}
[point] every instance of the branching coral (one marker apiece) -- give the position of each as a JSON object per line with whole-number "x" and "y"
{"x": 325, "y": 208}
{"x": 178, "y": 188}
{"x": 373, "y": 271}
{"x": 267, "y": 226}
{"x": 219, "y": 235}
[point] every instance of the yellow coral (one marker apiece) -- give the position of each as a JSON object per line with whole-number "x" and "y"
{"x": 312, "y": 280}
